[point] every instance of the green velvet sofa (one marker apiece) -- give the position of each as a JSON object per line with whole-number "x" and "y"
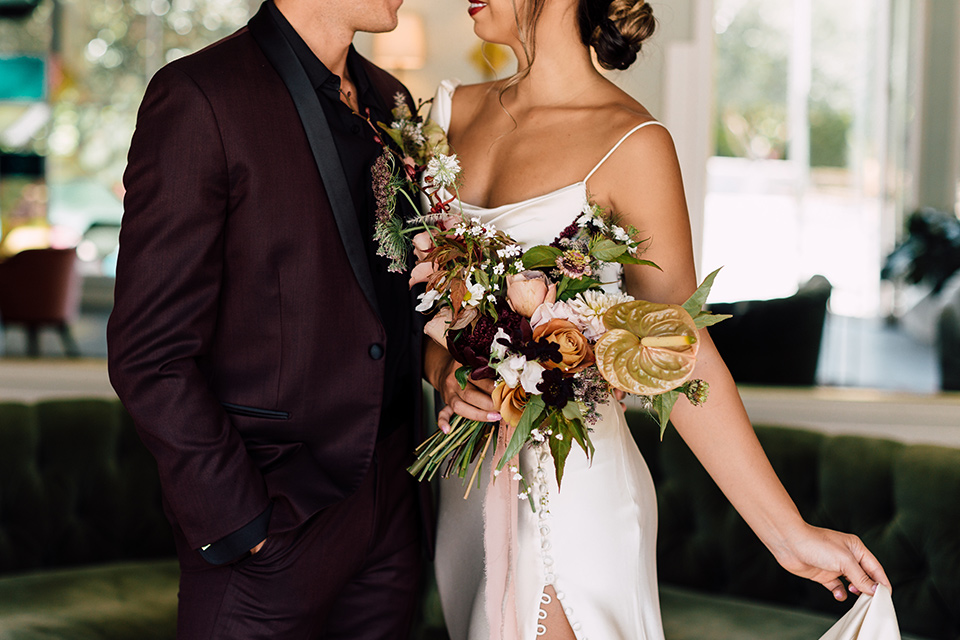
{"x": 85, "y": 550}
{"x": 719, "y": 582}
{"x": 86, "y": 553}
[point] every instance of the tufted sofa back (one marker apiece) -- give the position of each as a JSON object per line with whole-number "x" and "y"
{"x": 76, "y": 487}
{"x": 902, "y": 500}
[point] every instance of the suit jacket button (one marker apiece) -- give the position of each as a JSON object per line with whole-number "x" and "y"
{"x": 376, "y": 351}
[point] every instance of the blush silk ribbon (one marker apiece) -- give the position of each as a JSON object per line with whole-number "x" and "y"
{"x": 500, "y": 544}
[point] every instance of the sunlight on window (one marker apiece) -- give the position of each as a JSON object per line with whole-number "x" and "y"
{"x": 784, "y": 205}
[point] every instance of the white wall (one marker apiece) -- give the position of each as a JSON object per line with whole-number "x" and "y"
{"x": 939, "y": 153}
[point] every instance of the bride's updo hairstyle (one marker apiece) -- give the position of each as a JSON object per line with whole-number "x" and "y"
{"x": 616, "y": 29}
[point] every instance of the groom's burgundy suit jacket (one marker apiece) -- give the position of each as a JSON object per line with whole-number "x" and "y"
{"x": 245, "y": 340}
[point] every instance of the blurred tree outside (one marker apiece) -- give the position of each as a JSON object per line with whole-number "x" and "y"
{"x": 802, "y": 110}
{"x": 753, "y": 46}
{"x": 100, "y": 56}
{"x": 752, "y": 59}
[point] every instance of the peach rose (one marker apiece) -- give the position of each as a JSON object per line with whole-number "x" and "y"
{"x": 527, "y": 290}
{"x": 510, "y": 402}
{"x": 422, "y": 244}
{"x": 574, "y": 347}
{"x": 421, "y": 273}
{"x": 438, "y": 326}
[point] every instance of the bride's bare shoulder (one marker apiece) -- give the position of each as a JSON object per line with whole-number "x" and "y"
{"x": 470, "y": 96}
{"x": 620, "y": 112}
{"x": 468, "y": 101}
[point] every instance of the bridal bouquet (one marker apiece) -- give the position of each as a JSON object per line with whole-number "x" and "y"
{"x": 537, "y": 321}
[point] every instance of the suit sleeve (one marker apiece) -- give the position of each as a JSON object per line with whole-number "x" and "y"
{"x": 168, "y": 284}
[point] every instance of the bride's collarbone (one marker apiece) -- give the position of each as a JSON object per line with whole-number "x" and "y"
{"x": 522, "y": 165}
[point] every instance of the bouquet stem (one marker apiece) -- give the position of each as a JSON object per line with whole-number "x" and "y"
{"x": 459, "y": 444}
{"x": 476, "y": 469}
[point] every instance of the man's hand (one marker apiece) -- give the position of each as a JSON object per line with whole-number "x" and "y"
{"x": 257, "y": 548}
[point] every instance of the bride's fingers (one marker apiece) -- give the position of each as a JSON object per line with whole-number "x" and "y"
{"x": 836, "y": 588}
{"x": 873, "y": 568}
{"x": 468, "y": 411}
{"x": 473, "y": 405}
{"x": 619, "y": 396}
{"x": 861, "y": 573}
{"x": 485, "y": 385}
{"x": 444, "y": 418}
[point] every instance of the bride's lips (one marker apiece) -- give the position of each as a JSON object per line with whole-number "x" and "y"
{"x": 475, "y": 7}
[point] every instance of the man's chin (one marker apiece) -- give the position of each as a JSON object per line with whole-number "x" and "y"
{"x": 385, "y": 26}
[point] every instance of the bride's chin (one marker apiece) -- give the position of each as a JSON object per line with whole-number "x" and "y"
{"x": 488, "y": 35}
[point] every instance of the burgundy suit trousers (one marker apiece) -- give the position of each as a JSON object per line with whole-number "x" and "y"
{"x": 352, "y": 571}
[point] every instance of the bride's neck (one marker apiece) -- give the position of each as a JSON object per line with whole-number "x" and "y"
{"x": 562, "y": 69}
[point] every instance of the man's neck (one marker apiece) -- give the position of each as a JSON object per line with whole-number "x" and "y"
{"x": 327, "y": 37}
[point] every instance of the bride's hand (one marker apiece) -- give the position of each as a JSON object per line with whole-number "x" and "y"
{"x": 472, "y": 402}
{"x": 824, "y": 556}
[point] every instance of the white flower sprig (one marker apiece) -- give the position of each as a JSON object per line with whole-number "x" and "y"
{"x": 442, "y": 171}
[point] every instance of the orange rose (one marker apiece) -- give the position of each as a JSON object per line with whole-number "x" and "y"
{"x": 528, "y": 290}
{"x": 510, "y": 402}
{"x": 574, "y": 347}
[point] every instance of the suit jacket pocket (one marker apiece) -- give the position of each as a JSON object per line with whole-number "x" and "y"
{"x": 254, "y": 412}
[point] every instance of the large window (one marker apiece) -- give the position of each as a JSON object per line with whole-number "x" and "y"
{"x": 797, "y": 184}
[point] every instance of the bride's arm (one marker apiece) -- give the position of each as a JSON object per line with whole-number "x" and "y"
{"x": 642, "y": 183}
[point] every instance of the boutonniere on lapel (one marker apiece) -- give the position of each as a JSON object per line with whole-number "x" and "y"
{"x": 416, "y": 164}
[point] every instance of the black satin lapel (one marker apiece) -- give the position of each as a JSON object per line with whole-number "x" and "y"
{"x": 281, "y": 56}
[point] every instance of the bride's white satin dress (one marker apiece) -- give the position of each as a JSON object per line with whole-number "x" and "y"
{"x": 597, "y": 543}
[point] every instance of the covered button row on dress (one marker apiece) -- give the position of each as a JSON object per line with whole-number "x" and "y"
{"x": 549, "y": 577}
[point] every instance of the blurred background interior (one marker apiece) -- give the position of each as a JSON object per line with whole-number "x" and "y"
{"x": 820, "y": 143}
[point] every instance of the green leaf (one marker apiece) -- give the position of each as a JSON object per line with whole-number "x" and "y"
{"x": 394, "y": 134}
{"x": 608, "y": 250}
{"x": 560, "y": 449}
{"x": 709, "y": 319}
{"x": 581, "y": 436}
{"x": 569, "y": 287}
{"x": 462, "y": 374}
{"x": 571, "y": 410}
{"x": 482, "y": 279}
{"x": 663, "y": 404}
{"x": 629, "y": 259}
{"x": 540, "y": 257}
{"x": 531, "y": 417}
{"x": 695, "y": 304}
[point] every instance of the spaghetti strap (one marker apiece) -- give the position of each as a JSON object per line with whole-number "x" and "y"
{"x": 620, "y": 142}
